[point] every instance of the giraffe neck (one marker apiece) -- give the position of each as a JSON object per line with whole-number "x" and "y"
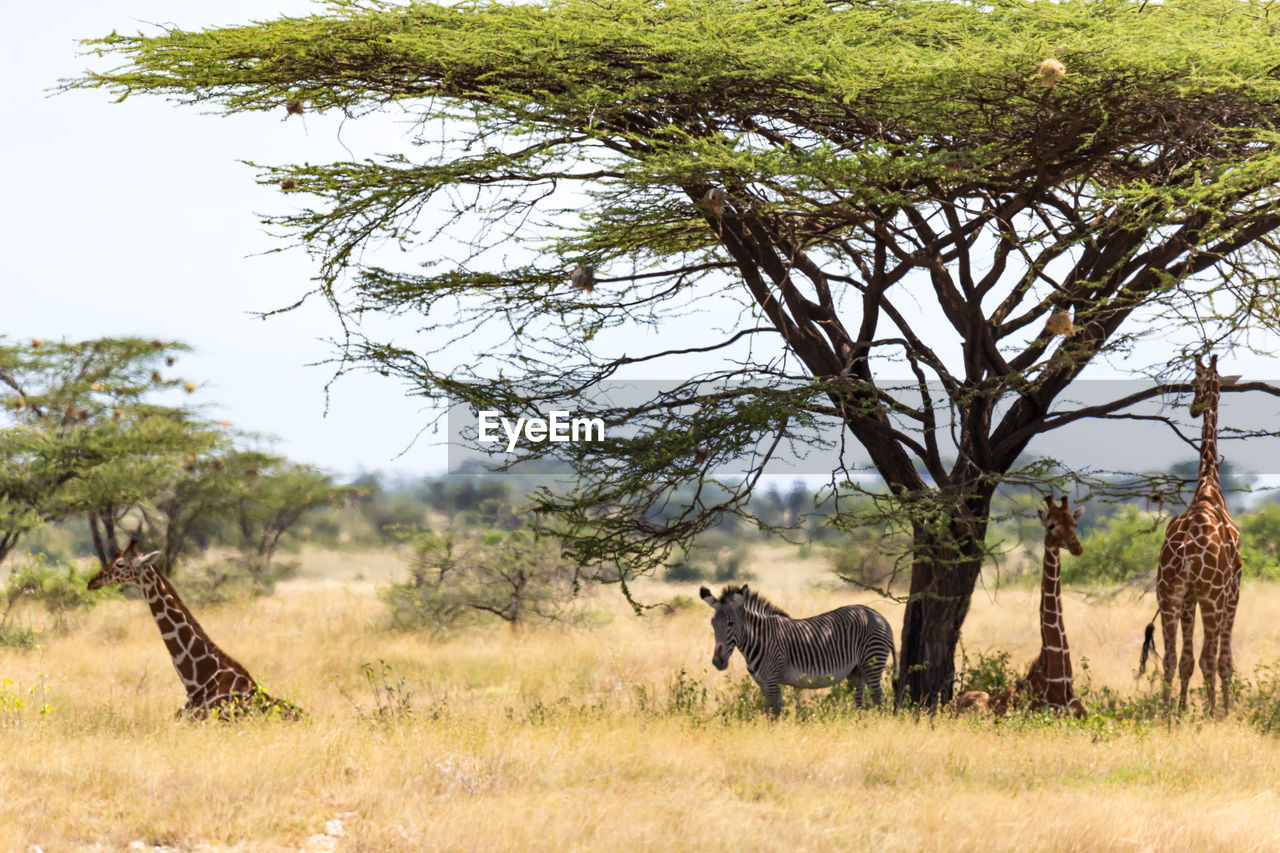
{"x": 1053, "y": 637}
{"x": 1051, "y": 677}
{"x": 196, "y": 658}
{"x": 1208, "y": 486}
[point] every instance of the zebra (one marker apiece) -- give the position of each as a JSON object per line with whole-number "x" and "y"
{"x": 849, "y": 642}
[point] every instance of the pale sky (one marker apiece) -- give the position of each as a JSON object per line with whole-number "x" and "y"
{"x": 136, "y": 218}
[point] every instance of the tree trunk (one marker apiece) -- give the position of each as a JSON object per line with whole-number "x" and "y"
{"x": 99, "y": 548}
{"x": 948, "y": 559}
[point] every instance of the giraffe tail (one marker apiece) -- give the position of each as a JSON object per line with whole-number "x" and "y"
{"x": 1148, "y": 645}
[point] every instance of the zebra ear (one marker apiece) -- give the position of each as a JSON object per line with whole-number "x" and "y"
{"x": 708, "y": 597}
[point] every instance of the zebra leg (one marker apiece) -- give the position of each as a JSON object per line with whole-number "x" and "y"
{"x": 772, "y": 698}
{"x": 877, "y": 692}
{"x": 859, "y": 686}
{"x": 875, "y": 675}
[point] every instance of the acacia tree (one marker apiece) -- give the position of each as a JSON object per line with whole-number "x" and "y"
{"x": 839, "y": 192}
{"x": 270, "y": 496}
{"x": 80, "y": 434}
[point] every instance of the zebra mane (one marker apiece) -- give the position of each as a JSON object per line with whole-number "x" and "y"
{"x": 755, "y": 602}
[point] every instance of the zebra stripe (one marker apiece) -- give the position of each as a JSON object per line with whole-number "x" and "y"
{"x": 852, "y": 643}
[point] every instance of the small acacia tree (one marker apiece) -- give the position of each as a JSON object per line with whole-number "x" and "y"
{"x": 983, "y": 197}
{"x": 513, "y": 575}
{"x": 268, "y": 497}
{"x": 80, "y": 435}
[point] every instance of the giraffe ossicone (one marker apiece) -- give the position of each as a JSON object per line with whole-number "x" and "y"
{"x": 216, "y": 684}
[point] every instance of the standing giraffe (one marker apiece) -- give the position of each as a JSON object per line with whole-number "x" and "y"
{"x": 216, "y": 684}
{"x": 1200, "y": 561}
{"x": 1048, "y": 682}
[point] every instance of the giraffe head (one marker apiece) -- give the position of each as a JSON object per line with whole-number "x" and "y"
{"x": 126, "y": 566}
{"x": 1060, "y": 525}
{"x": 1207, "y": 386}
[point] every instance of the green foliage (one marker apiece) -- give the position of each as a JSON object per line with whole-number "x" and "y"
{"x": 271, "y": 496}
{"x": 80, "y": 434}
{"x": 59, "y": 590}
{"x": 1260, "y": 706}
{"x": 392, "y": 696}
{"x": 1125, "y": 547}
{"x": 682, "y": 571}
{"x": 21, "y": 637}
{"x": 1260, "y": 541}
{"x": 991, "y": 672}
{"x": 458, "y": 579}
{"x": 866, "y": 557}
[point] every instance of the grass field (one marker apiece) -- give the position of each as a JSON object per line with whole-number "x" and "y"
{"x": 592, "y": 738}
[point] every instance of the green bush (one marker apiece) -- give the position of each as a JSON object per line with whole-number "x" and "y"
{"x": 991, "y": 672}
{"x": 1260, "y": 542}
{"x": 1260, "y": 705}
{"x": 1126, "y": 546}
{"x": 684, "y": 572}
{"x": 866, "y": 557}
{"x": 459, "y": 579}
{"x": 59, "y": 589}
{"x": 22, "y": 637}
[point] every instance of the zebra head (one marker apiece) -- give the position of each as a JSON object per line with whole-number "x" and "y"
{"x": 727, "y": 622}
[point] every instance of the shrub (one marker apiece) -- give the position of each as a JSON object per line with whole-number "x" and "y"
{"x": 866, "y": 557}
{"x": 1126, "y": 546}
{"x": 1260, "y": 541}
{"x": 456, "y": 579}
{"x": 24, "y": 638}
{"x": 234, "y": 578}
{"x": 60, "y": 590}
{"x": 683, "y": 572}
{"x": 1260, "y": 706}
{"x": 991, "y": 672}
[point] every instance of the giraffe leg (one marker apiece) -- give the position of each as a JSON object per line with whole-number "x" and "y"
{"x": 1209, "y": 618}
{"x": 1225, "y": 668}
{"x": 1187, "y": 660}
{"x": 1169, "y": 630}
{"x": 1225, "y": 662}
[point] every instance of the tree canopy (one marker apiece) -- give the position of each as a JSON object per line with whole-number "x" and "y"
{"x": 825, "y": 197}
{"x": 81, "y": 433}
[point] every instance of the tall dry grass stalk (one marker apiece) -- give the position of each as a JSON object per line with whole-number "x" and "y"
{"x": 591, "y": 738}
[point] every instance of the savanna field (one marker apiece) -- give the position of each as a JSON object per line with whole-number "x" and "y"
{"x": 612, "y": 733}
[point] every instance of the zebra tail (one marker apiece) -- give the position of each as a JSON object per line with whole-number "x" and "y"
{"x": 1148, "y": 645}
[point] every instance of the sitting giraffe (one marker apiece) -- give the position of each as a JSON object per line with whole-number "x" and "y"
{"x": 216, "y": 684}
{"x": 1048, "y": 682}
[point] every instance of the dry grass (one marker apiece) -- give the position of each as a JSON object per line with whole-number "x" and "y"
{"x": 584, "y": 738}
